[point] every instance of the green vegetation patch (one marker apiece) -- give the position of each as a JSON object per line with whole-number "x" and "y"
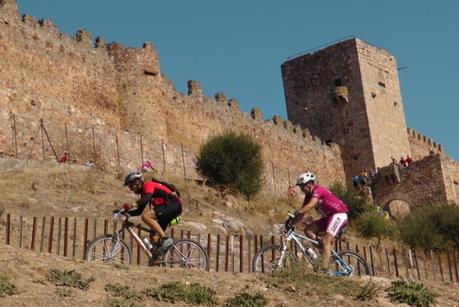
{"x": 411, "y": 293}
{"x": 124, "y": 292}
{"x": 368, "y": 292}
{"x": 63, "y": 291}
{"x": 69, "y": 279}
{"x": 176, "y": 291}
{"x": 302, "y": 277}
{"x": 245, "y": 299}
{"x": 7, "y": 287}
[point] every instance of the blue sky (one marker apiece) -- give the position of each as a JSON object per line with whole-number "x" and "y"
{"x": 238, "y": 46}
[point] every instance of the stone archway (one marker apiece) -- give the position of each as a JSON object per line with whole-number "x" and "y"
{"x": 398, "y": 208}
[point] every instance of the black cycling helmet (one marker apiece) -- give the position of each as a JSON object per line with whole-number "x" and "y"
{"x": 131, "y": 177}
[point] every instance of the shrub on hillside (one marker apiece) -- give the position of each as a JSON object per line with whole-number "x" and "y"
{"x": 411, "y": 293}
{"x": 232, "y": 161}
{"x": 372, "y": 224}
{"x": 357, "y": 203}
{"x": 431, "y": 227}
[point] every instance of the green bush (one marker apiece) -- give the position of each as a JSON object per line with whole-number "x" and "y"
{"x": 368, "y": 292}
{"x": 6, "y": 287}
{"x": 357, "y": 203}
{"x": 63, "y": 291}
{"x": 69, "y": 279}
{"x": 411, "y": 293}
{"x": 245, "y": 299}
{"x": 431, "y": 227}
{"x": 232, "y": 161}
{"x": 177, "y": 291}
{"x": 372, "y": 224}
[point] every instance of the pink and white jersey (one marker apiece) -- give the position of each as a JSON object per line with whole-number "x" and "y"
{"x": 327, "y": 202}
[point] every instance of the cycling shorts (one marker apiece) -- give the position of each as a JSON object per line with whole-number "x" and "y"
{"x": 332, "y": 224}
{"x": 166, "y": 213}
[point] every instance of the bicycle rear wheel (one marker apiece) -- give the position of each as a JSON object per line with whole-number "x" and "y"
{"x": 109, "y": 250}
{"x": 187, "y": 253}
{"x": 267, "y": 259}
{"x": 358, "y": 266}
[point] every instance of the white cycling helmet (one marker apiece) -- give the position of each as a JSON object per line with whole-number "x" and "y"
{"x": 131, "y": 177}
{"x": 305, "y": 178}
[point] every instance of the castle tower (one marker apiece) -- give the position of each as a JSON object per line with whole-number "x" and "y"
{"x": 349, "y": 93}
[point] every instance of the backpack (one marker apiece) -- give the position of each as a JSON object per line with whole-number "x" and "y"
{"x": 170, "y": 186}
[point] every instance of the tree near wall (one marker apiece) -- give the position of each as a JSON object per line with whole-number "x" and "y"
{"x": 233, "y": 162}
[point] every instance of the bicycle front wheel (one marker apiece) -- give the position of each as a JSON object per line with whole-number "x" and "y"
{"x": 349, "y": 264}
{"x": 188, "y": 254}
{"x": 108, "y": 249}
{"x": 267, "y": 259}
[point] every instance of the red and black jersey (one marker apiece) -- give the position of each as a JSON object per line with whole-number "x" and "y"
{"x": 156, "y": 194}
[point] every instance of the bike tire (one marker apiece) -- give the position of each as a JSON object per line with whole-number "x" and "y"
{"x": 263, "y": 264}
{"x": 359, "y": 265}
{"x": 97, "y": 251}
{"x": 190, "y": 253}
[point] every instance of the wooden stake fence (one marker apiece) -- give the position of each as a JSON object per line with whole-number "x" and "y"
{"x": 229, "y": 253}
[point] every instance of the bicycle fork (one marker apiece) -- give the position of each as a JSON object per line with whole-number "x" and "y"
{"x": 278, "y": 263}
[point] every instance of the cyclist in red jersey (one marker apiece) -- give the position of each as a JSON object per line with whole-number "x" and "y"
{"x": 332, "y": 208}
{"x": 163, "y": 206}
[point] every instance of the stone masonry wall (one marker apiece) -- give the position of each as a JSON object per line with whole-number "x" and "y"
{"x": 310, "y": 84}
{"x": 421, "y": 145}
{"x": 421, "y": 183}
{"x": 94, "y": 96}
{"x": 383, "y": 102}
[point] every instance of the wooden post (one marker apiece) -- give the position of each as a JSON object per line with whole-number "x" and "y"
{"x": 105, "y": 226}
{"x": 42, "y": 140}
{"x": 432, "y": 264}
{"x": 42, "y": 237}
{"x": 395, "y": 262}
{"x": 8, "y": 228}
{"x": 58, "y": 239}
{"x": 74, "y": 237}
{"x": 387, "y": 261}
{"x": 273, "y": 251}
{"x": 425, "y": 265}
{"x": 440, "y": 266}
{"x": 94, "y": 229}
{"x": 34, "y": 228}
{"x": 226, "y": 252}
{"x": 274, "y": 177}
{"x": 407, "y": 263}
{"x": 66, "y": 234}
{"x": 218, "y": 253}
{"x": 455, "y": 266}
{"x": 50, "y": 237}
{"x": 418, "y": 272}
{"x": 209, "y": 239}
{"x": 449, "y": 267}
{"x": 241, "y": 254}
{"x": 358, "y": 263}
{"x": 249, "y": 254}
{"x": 20, "y": 231}
{"x": 371, "y": 259}
{"x": 85, "y": 237}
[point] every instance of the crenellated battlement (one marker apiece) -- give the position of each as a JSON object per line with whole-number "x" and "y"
{"x": 425, "y": 141}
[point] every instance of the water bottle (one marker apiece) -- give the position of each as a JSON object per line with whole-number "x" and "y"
{"x": 147, "y": 243}
{"x": 312, "y": 253}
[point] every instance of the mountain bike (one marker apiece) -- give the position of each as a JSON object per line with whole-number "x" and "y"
{"x": 184, "y": 253}
{"x": 276, "y": 257}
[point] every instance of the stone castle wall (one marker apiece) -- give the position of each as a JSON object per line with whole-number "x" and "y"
{"x": 421, "y": 145}
{"x": 120, "y": 92}
{"x": 383, "y": 102}
{"x": 421, "y": 183}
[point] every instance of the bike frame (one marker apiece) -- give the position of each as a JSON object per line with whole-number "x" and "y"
{"x": 346, "y": 269}
{"x": 129, "y": 226}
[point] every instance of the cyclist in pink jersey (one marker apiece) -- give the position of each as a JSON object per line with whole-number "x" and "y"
{"x": 332, "y": 208}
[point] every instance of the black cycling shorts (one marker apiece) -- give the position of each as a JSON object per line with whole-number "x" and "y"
{"x": 166, "y": 213}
